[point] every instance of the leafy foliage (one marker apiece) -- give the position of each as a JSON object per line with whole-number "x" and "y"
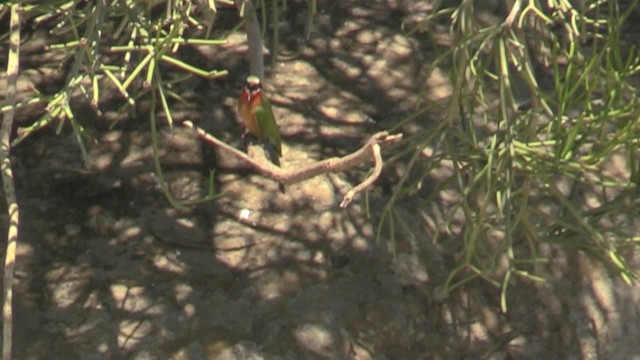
{"x": 536, "y": 164}
{"x": 119, "y": 44}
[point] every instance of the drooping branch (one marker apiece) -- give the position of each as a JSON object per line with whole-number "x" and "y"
{"x": 377, "y": 169}
{"x": 370, "y": 150}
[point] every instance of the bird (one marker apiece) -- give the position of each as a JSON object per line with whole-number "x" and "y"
{"x": 258, "y": 120}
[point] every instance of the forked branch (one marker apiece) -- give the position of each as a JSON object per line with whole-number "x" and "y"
{"x": 370, "y": 150}
{"x": 287, "y": 176}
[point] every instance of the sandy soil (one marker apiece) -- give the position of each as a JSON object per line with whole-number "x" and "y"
{"x": 108, "y": 270}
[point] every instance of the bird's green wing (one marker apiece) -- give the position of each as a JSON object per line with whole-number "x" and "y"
{"x": 266, "y": 123}
{"x": 269, "y": 132}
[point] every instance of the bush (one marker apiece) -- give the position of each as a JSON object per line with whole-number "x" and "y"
{"x": 552, "y": 158}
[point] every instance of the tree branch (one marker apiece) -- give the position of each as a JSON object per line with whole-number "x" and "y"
{"x": 377, "y": 157}
{"x": 256, "y": 67}
{"x": 372, "y": 149}
{"x": 13, "y": 66}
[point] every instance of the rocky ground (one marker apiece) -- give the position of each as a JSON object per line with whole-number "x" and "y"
{"x": 107, "y": 269}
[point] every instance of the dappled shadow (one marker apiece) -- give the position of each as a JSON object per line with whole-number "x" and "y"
{"x": 107, "y": 269}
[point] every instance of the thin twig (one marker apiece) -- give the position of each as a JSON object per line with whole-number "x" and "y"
{"x": 377, "y": 159}
{"x": 288, "y": 176}
{"x": 13, "y": 67}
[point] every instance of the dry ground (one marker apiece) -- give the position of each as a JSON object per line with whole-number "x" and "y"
{"x": 108, "y": 270}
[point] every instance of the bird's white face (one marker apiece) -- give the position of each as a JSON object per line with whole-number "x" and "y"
{"x": 253, "y": 87}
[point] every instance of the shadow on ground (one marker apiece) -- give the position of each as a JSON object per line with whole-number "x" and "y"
{"x": 107, "y": 270}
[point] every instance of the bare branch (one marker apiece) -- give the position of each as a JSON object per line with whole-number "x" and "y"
{"x": 226, "y": 147}
{"x": 370, "y": 150}
{"x": 13, "y": 66}
{"x": 377, "y": 158}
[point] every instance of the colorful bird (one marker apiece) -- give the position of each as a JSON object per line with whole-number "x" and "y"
{"x": 258, "y": 119}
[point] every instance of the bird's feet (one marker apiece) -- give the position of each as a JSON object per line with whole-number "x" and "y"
{"x": 247, "y": 139}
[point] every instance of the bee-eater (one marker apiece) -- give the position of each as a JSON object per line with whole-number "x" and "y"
{"x": 258, "y": 119}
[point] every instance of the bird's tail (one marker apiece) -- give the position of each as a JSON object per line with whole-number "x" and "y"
{"x": 275, "y": 159}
